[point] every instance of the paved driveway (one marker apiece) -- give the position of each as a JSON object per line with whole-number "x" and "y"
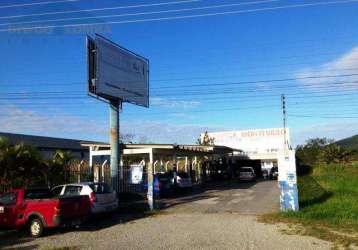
{"x": 244, "y": 198}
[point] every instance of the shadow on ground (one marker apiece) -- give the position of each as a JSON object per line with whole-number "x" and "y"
{"x": 8, "y": 238}
{"x": 133, "y": 207}
{"x": 202, "y": 192}
{"x": 312, "y": 193}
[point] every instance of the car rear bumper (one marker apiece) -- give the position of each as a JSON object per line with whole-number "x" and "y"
{"x": 102, "y": 208}
{"x": 247, "y": 178}
{"x": 185, "y": 185}
{"x": 59, "y": 221}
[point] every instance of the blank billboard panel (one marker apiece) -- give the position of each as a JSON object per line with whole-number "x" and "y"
{"x": 119, "y": 74}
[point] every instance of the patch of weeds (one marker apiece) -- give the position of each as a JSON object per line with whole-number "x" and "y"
{"x": 328, "y": 206}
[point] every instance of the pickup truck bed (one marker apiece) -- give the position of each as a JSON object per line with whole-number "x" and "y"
{"x": 37, "y": 210}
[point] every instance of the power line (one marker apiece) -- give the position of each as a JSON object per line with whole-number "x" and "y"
{"x": 292, "y": 6}
{"x": 141, "y": 13}
{"x": 264, "y": 81}
{"x": 326, "y": 117}
{"x": 101, "y": 9}
{"x": 313, "y": 72}
{"x": 328, "y": 87}
{"x": 38, "y": 3}
{"x": 203, "y": 99}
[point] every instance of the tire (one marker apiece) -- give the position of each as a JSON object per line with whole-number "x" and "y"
{"x": 36, "y": 228}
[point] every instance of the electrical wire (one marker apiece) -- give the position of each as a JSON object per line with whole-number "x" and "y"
{"x": 325, "y": 117}
{"x": 101, "y": 9}
{"x": 38, "y": 3}
{"x": 292, "y": 6}
{"x": 141, "y": 13}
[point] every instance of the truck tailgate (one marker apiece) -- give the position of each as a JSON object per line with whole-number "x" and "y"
{"x": 7, "y": 215}
{"x": 74, "y": 206}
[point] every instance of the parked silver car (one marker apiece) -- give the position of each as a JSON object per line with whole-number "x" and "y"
{"x": 247, "y": 174}
{"x": 102, "y": 197}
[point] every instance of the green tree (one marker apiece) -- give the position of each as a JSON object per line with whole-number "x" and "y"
{"x": 4, "y": 157}
{"x": 310, "y": 153}
{"x": 20, "y": 165}
{"x": 58, "y": 167}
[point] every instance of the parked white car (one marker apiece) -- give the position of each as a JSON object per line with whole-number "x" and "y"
{"x": 102, "y": 197}
{"x": 182, "y": 180}
{"x": 247, "y": 174}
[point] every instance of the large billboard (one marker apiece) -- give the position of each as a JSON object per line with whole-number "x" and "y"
{"x": 256, "y": 141}
{"x": 115, "y": 73}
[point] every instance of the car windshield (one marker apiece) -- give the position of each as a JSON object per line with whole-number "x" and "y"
{"x": 100, "y": 188}
{"x": 246, "y": 170}
{"x": 183, "y": 175}
{"x": 8, "y": 198}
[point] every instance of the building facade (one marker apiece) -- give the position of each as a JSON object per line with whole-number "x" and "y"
{"x": 257, "y": 144}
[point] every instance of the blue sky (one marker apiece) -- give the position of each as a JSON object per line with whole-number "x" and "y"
{"x": 238, "y": 62}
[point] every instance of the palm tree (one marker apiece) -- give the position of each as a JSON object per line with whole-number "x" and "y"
{"x": 20, "y": 165}
{"x": 58, "y": 167}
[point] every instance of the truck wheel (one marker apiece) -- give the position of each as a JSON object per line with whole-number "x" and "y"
{"x": 36, "y": 228}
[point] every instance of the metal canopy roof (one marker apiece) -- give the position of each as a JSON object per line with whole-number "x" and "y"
{"x": 212, "y": 149}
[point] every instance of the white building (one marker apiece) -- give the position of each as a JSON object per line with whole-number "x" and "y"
{"x": 256, "y": 144}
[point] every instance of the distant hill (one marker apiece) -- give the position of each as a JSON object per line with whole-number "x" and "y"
{"x": 350, "y": 142}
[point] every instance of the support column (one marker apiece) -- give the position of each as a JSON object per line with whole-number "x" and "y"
{"x": 114, "y": 142}
{"x": 150, "y": 176}
{"x": 90, "y": 163}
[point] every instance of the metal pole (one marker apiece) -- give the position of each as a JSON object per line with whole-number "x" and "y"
{"x": 114, "y": 141}
{"x": 150, "y": 176}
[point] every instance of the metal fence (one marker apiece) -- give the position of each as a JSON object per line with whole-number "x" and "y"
{"x": 125, "y": 183}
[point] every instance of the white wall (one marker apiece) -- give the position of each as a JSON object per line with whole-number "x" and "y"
{"x": 253, "y": 142}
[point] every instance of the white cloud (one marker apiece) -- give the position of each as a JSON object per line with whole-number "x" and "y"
{"x": 170, "y": 103}
{"x": 347, "y": 64}
{"x": 160, "y": 132}
{"x": 17, "y": 120}
{"x": 336, "y": 131}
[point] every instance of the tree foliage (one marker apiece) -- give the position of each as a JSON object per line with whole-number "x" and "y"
{"x": 20, "y": 165}
{"x": 323, "y": 151}
{"x": 57, "y": 167}
{"x": 23, "y": 166}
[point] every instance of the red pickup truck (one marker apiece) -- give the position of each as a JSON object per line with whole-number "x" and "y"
{"x": 38, "y": 209}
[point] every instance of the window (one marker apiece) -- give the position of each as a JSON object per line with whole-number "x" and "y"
{"x": 246, "y": 170}
{"x": 57, "y": 191}
{"x": 100, "y": 188}
{"x": 73, "y": 190}
{"x": 8, "y": 198}
{"x": 33, "y": 194}
{"x": 183, "y": 175}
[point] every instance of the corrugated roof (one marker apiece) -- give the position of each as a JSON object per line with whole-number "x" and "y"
{"x": 46, "y": 142}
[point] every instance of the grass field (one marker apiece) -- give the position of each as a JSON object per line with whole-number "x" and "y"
{"x": 328, "y": 205}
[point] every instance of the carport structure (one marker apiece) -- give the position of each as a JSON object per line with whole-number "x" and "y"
{"x": 157, "y": 157}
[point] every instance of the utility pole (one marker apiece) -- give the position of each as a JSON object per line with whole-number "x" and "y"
{"x": 115, "y": 107}
{"x": 287, "y": 176}
{"x": 284, "y": 118}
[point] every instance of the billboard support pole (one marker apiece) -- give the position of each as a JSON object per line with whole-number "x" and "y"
{"x": 115, "y": 107}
